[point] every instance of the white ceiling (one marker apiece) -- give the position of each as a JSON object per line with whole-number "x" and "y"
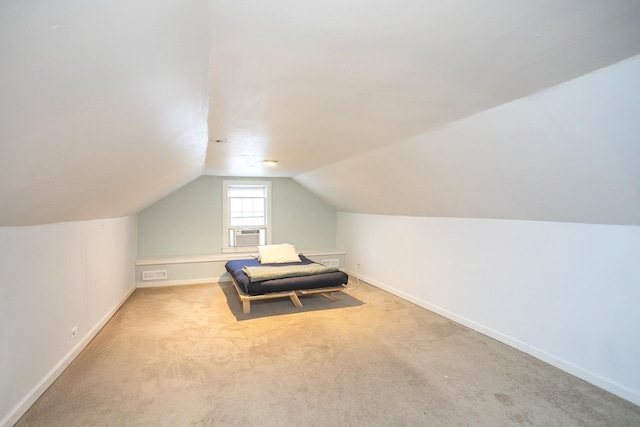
{"x": 569, "y": 153}
{"x": 109, "y": 105}
{"x": 103, "y": 106}
{"x": 310, "y": 83}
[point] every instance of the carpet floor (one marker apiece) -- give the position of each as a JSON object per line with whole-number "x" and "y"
{"x": 188, "y": 356}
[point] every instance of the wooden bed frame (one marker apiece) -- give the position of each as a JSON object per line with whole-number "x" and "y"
{"x": 293, "y": 295}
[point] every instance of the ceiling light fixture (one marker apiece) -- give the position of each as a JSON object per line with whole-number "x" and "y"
{"x": 270, "y": 162}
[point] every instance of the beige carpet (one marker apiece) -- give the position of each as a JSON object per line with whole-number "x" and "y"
{"x": 186, "y": 356}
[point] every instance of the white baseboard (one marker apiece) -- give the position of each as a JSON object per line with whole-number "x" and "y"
{"x": 23, "y": 406}
{"x": 159, "y": 283}
{"x": 604, "y": 383}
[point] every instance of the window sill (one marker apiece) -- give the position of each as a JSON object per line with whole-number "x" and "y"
{"x": 246, "y": 250}
{"x": 224, "y": 257}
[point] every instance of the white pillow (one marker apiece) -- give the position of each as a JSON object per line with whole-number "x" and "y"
{"x": 278, "y": 254}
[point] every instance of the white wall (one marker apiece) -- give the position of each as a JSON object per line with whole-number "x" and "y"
{"x": 52, "y": 278}
{"x": 565, "y": 293}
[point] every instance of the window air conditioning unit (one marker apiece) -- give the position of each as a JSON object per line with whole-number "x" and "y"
{"x": 246, "y": 237}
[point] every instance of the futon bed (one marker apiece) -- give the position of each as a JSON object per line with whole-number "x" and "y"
{"x": 256, "y": 280}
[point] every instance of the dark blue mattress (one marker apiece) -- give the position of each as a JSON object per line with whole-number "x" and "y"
{"x": 322, "y": 280}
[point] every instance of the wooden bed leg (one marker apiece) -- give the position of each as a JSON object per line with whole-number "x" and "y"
{"x": 246, "y": 306}
{"x": 295, "y": 300}
{"x": 329, "y": 295}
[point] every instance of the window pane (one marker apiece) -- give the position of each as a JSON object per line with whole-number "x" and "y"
{"x": 247, "y": 211}
{"x": 258, "y": 205}
{"x": 248, "y": 191}
{"x": 236, "y": 219}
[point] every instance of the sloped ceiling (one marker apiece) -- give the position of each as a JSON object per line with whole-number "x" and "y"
{"x": 310, "y": 83}
{"x": 569, "y": 153}
{"x": 108, "y": 106}
{"x": 103, "y": 106}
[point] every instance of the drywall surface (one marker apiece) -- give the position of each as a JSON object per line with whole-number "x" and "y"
{"x": 314, "y": 82}
{"x": 103, "y": 108}
{"x": 188, "y": 222}
{"x": 569, "y": 153}
{"x": 300, "y": 217}
{"x": 53, "y": 278}
{"x": 565, "y": 293}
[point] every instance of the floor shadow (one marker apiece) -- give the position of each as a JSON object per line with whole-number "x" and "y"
{"x": 283, "y": 306}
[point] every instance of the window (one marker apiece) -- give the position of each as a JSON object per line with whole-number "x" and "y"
{"x": 246, "y": 215}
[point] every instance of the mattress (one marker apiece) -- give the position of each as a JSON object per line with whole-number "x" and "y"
{"x": 322, "y": 280}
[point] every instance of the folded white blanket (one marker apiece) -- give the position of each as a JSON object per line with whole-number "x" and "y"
{"x": 260, "y": 273}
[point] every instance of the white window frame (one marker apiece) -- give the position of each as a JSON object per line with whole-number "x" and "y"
{"x": 226, "y": 248}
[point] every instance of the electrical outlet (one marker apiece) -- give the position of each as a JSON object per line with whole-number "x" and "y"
{"x": 74, "y": 332}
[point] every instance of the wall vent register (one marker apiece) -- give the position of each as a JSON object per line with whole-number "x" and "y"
{"x": 331, "y": 262}
{"x": 154, "y": 275}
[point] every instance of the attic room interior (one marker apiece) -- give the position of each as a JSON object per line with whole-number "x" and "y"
{"x": 472, "y": 166}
